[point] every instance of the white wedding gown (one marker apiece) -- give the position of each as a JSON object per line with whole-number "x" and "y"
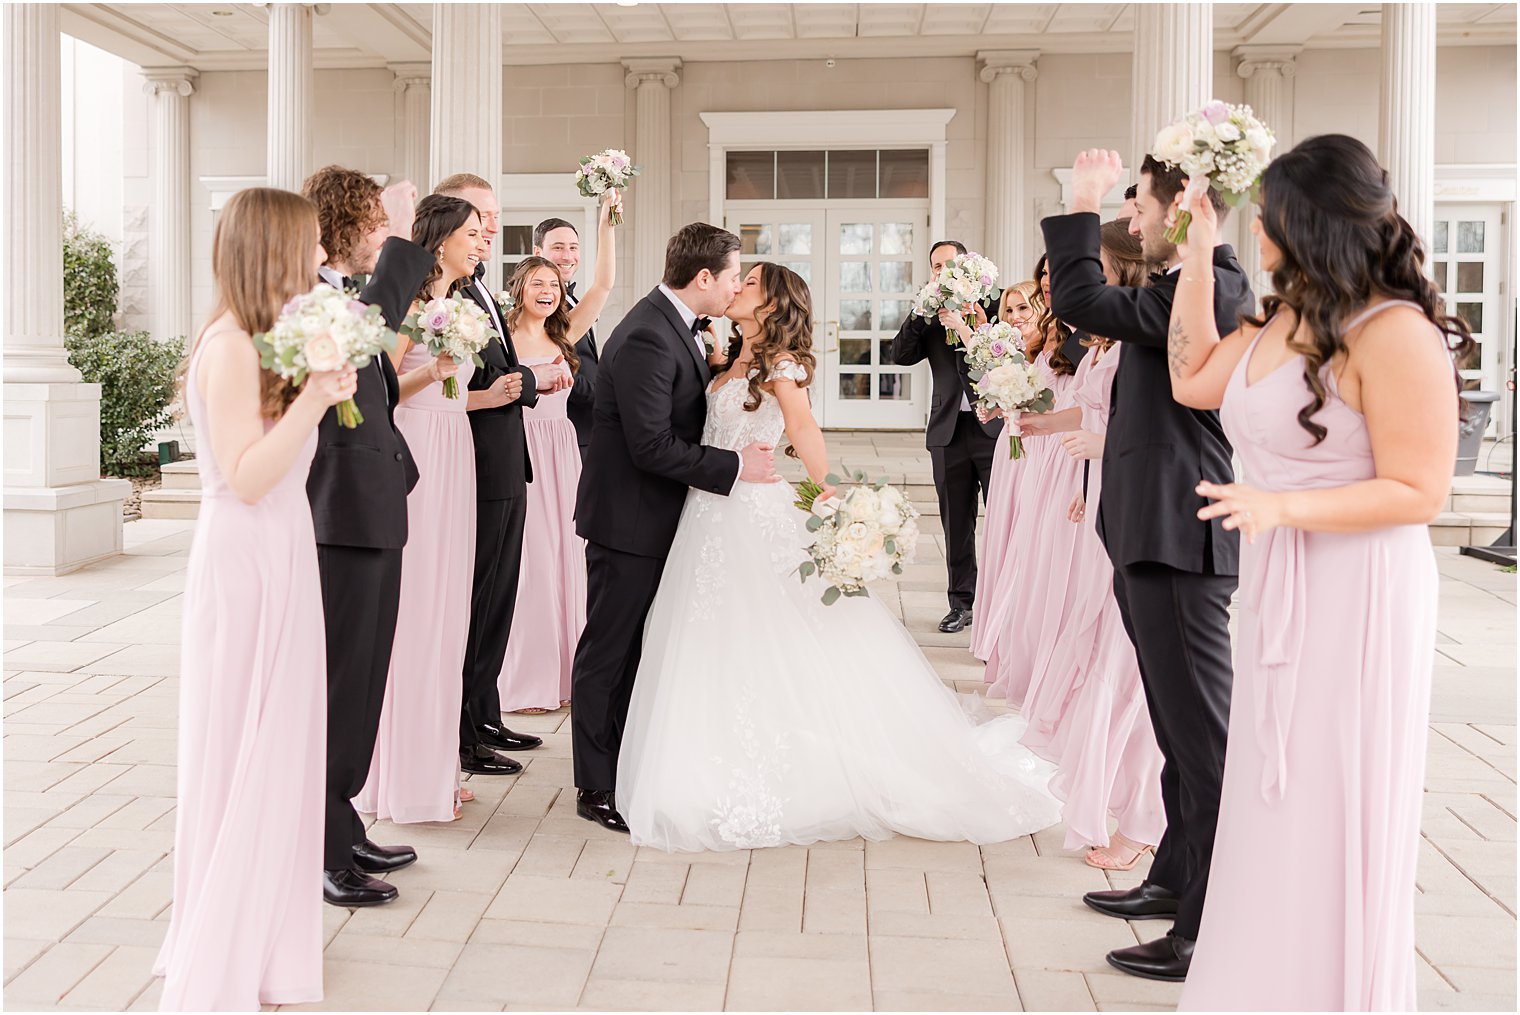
{"x": 761, "y": 717}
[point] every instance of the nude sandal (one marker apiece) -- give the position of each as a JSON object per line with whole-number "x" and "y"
{"x": 1104, "y": 858}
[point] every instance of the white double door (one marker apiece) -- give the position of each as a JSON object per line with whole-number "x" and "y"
{"x": 863, "y": 261}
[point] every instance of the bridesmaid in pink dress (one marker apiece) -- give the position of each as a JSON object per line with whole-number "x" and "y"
{"x": 551, "y": 589}
{"x": 414, "y": 774}
{"x": 1342, "y": 405}
{"x": 246, "y": 927}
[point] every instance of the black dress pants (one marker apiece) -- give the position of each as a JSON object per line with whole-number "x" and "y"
{"x": 620, "y": 589}
{"x": 962, "y": 471}
{"x": 498, "y": 564}
{"x": 1179, "y": 623}
{"x": 361, "y": 592}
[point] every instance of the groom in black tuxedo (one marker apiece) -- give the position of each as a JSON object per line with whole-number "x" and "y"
{"x": 646, "y": 451}
{"x": 1173, "y": 574}
{"x": 560, "y": 242}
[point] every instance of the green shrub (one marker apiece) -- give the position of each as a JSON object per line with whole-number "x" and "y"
{"x": 136, "y": 374}
{"x": 90, "y": 288}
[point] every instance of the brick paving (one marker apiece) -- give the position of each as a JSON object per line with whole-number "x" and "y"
{"x": 520, "y": 905}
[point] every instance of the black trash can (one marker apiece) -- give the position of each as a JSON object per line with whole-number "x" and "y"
{"x": 1476, "y": 405}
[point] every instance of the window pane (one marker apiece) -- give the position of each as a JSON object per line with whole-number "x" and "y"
{"x": 516, "y": 241}
{"x": 1472, "y": 313}
{"x": 1440, "y": 275}
{"x": 803, "y": 268}
{"x": 1438, "y": 241}
{"x": 796, "y": 238}
{"x": 799, "y": 175}
{"x": 751, "y": 176}
{"x": 855, "y": 315}
{"x": 897, "y": 238}
{"x": 905, "y": 173}
{"x": 855, "y": 386}
{"x": 1470, "y": 277}
{"x": 855, "y": 351}
{"x": 1469, "y": 237}
{"x": 894, "y": 387}
{"x": 755, "y": 239}
{"x": 883, "y": 351}
{"x": 894, "y": 313}
{"x": 855, "y": 238}
{"x": 854, "y": 276}
{"x": 852, "y": 174}
{"x": 896, "y": 277}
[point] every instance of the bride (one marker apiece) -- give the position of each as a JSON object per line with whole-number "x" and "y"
{"x": 760, "y": 716}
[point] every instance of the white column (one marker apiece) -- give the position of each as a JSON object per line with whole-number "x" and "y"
{"x": 59, "y": 513}
{"x": 1407, "y": 114}
{"x": 169, "y": 216}
{"x": 414, "y": 83}
{"x": 290, "y": 95}
{"x": 1008, "y": 234}
{"x": 652, "y": 79}
{"x": 1268, "y": 73}
{"x": 1172, "y": 71}
{"x": 467, "y": 99}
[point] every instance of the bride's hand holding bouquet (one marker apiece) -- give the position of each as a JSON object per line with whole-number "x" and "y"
{"x": 865, "y": 534}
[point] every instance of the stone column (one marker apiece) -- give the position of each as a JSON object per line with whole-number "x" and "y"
{"x": 1268, "y": 73}
{"x": 1172, "y": 72}
{"x": 414, "y": 83}
{"x": 467, "y": 97}
{"x": 59, "y": 514}
{"x": 652, "y": 79}
{"x": 169, "y": 217}
{"x": 1008, "y": 233}
{"x": 291, "y": 95}
{"x": 1407, "y": 113}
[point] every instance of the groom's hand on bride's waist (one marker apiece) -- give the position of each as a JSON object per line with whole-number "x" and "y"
{"x": 757, "y": 464}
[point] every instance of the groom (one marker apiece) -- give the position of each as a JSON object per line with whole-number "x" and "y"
{"x": 646, "y": 450}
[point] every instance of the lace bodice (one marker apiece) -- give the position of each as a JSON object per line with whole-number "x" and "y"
{"x": 730, "y": 426}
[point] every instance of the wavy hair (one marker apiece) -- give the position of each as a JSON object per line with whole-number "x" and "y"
{"x": 1030, "y": 290}
{"x": 438, "y": 217}
{"x": 348, "y": 208}
{"x": 1051, "y": 332}
{"x": 557, "y": 324}
{"x": 786, "y": 329}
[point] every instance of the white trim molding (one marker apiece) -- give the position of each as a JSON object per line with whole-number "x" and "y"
{"x": 1491, "y": 181}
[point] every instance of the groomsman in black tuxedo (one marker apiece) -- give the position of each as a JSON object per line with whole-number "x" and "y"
{"x": 358, "y": 485}
{"x": 1173, "y": 574}
{"x": 502, "y": 473}
{"x": 559, "y": 241}
{"x": 960, "y": 446}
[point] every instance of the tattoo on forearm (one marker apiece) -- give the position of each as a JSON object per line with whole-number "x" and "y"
{"x": 1176, "y": 348}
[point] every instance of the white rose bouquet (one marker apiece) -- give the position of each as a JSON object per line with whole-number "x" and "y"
{"x": 861, "y": 535}
{"x": 319, "y": 332}
{"x": 603, "y": 171}
{"x": 992, "y": 345}
{"x": 452, "y": 325}
{"x": 1014, "y": 386}
{"x": 967, "y": 279}
{"x": 1221, "y": 145}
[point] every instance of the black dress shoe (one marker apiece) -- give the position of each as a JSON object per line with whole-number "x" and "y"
{"x": 1147, "y": 902}
{"x": 955, "y": 620}
{"x": 373, "y": 859}
{"x": 498, "y": 736}
{"x": 481, "y": 760}
{"x": 353, "y": 889}
{"x": 597, "y": 805}
{"x": 1166, "y": 958}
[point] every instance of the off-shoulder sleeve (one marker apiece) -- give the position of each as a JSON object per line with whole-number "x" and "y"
{"x": 790, "y": 370}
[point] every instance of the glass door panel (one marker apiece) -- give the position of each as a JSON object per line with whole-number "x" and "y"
{"x": 1466, "y": 264}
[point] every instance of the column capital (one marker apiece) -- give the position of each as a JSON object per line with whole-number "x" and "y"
{"x": 998, "y": 62}
{"x": 315, "y": 8}
{"x": 176, "y": 80}
{"x": 409, "y": 75}
{"x": 1266, "y": 59}
{"x": 655, "y": 68}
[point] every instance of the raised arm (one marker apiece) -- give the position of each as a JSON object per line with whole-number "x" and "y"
{"x": 1200, "y": 361}
{"x": 594, "y": 299}
{"x": 1082, "y": 298}
{"x": 908, "y": 346}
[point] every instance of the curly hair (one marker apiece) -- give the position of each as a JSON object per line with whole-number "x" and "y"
{"x": 786, "y": 329}
{"x": 557, "y": 324}
{"x": 1030, "y": 290}
{"x": 348, "y": 208}
{"x": 1052, "y": 332}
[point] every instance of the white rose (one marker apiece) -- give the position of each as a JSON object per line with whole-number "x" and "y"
{"x": 1227, "y": 132}
{"x": 1173, "y": 142}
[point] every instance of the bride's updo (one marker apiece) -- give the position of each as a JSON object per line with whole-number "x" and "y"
{"x": 786, "y": 329}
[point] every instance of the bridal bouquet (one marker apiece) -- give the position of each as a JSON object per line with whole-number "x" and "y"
{"x": 319, "y": 332}
{"x": 861, "y": 535}
{"x": 992, "y": 345}
{"x": 452, "y": 325}
{"x": 603, "y": 171}
{"x": 1015, "y": 385}
{"x": 1222, "y": 145}
{"x": 967, "y": 279}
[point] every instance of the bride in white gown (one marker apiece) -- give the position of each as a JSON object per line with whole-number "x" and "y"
{"x": 760, "y": 716}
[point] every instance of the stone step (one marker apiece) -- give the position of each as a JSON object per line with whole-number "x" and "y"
{"x": 181, "y": 476}
{"x": 169, "y": 503}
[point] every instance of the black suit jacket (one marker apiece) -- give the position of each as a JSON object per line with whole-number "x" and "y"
{"x": 502, "y": 466}
{"x": 583, "y": 395}
{"x": 922, "y": 338}
{"x": 646, "y": 445}
{"x": 360, "y": 478}
{"x": 1156, "y": 450}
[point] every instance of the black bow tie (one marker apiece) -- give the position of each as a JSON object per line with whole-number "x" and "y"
{"x": 700, "y": 325}
{"x": 570, "y": 289}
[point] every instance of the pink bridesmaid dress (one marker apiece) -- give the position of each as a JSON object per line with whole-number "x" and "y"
{"x": 414, "y": 774}
{"x": 551, "y": 592}
{"x": 246, "y": 927}
{"x": 1040, "y": 552}
{"x": 1319, "y": 824}
{"x": 1102, "y": 742}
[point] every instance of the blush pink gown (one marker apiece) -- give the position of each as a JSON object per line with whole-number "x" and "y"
{"x": 1040, "y": 552}
{"x": 414, "y": 774}
{"x": 246, "y": 927}
{"x": 1312, "y": 886}
{"x": 1101, "y": 738}
{"x": 551, "y": 592}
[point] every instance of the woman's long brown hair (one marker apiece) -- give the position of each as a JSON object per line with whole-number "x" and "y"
{"x": 1127, "y": 258}
{"x": 557, "y": 324}
{"x": 1051, "y": 332}
{"x": 786, "y": 329}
